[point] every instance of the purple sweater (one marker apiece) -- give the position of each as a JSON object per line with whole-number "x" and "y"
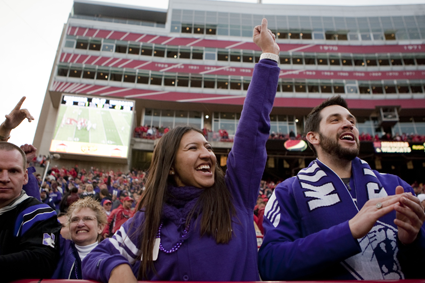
{"x": 202, "y": 258}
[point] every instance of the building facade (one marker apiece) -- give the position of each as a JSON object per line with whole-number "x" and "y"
{"x": 192, "y": 63}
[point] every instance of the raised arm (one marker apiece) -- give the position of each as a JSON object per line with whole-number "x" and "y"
{"x": 248, "y": 156}
{"x": 14, "y": 119}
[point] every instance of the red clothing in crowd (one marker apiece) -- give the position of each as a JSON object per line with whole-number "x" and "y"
{"x": 117, "y": 218}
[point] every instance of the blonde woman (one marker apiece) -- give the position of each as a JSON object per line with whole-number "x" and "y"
{"x": 86, "y": 220}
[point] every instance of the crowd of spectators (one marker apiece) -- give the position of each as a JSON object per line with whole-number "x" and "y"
{"x": 389, "y": 137}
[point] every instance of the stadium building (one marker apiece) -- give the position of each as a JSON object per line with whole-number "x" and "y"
{"x": 119, "y": 67}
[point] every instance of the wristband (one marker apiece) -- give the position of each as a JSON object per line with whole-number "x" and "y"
{"x": 270, "y": 56}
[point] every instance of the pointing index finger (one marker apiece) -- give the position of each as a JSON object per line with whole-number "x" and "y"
{"x": 18, "y": 106}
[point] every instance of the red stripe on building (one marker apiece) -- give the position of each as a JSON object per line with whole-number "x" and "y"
{"x": 81, "y": 31}
{"x": 117, "y": 35}
{"x": 81, "y": 59}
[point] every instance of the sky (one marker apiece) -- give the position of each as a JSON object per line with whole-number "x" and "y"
{"x": 31, "y": 30}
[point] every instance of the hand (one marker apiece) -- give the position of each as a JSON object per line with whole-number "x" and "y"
{"x": 17, "y": 116}
{"x": 122, "y": 273}
{"x": 410, "y": 216}
{"x": 30, "y": 152}
{"x": 364, "y": 220}
{"x": 265, "y": 39}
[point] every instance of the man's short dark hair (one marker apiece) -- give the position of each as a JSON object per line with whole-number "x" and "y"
{"x": 7, "y": 146}
{"x": 314, "y": 118}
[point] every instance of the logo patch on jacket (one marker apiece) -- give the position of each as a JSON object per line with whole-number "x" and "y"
{"x": 49, "y": 240}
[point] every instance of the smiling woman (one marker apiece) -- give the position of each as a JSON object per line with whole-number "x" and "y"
{"x": 86, "y": 219}
{"x": 193, "y": 222}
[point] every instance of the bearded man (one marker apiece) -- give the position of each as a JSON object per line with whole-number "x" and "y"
{"x": 338, "y": 219}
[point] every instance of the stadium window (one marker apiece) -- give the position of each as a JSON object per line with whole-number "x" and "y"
{"x": 408, "y": 61}
{"x": 197, "y": 54}
{"x": 359, "y": 61}
{"x": 342, "y": 36}
{"x": 322, "y": 60}
{"x": 159, "y": 51}
{"x": 69, "y": 43}
{"x": 312, "y": 87}
{"x": 257, "y": 56}
{"x": 346, "y": 61}
{"x": 82, "y": 44}
{"x": 278, "y": 86}
{"x": 116, "y": 76}
{"x": 365, "y": 36}
{"x": 403, "y": 88}
{"x": 222, "y": 82}
{"x": 129, "y": 77}
{"x": 223, "y": 55}
{"x": 135, "y": 50}
{"x": 108, "y": 47}
{"x": 247, "y": 57}
{"x": 199, "y": 29}
{"x": 62, "y": 71}
{"x": 172, "y": 52}
{"x": 95, "y": 45}
{"x": 235, "y": 56}
{"x": 295, "y": 35}
{"x": 396, "y": 61}
{"x": 75, "y": 73}
{"x": 280, "y": 34}
{"x": 353, "y": 36}
{"x": 210, "y": 29}
{"x": 338, "y": 88}
{"x": 209, "y": 55}
{"x": 300, "y": 87}
{"x": 351, "y": 89}
{"x": 420, "y": 60}
{"x": 235, "y": 84}
{"x": 169, "y": 79}
{"x": 389, "y": 88}
{"x": 287, "y": 86}
{"x": 377, "y": 89}
{"x": 297, "y": 59}
{"x": 318, "y": 36}
{"x": 209, "y": 82}
{"x": 186, "y": 28}
{"x": 121, "y": 49}
{"x": 102, "y": 74}
{"x": 182, "y": 81}
{"x": 156, "y": 79}
{"x": 364, "y": 88}
{"x": 89, "y": 74}
{"x": 146, "y": 50}
{"x": 325, "y": 88}
{"x": 175, "y": 27}
{"x": 371, "y": 62}
{"x": 184, "y": 53}
{"x": 383, "y": 61}
{"x": 195, "y": 81}
{"x": 416, "y": 88}
{"x": 143, "y": 78}
{"x": 331, "y": 35}
{"x": 378, "y": 36}
{"x": 246, "y": 84}
{"x": 389, "y": 35}
{"x": 309, "y": 59}
{"x": 306, "y": 35}
{"x": 285, "y": 59}
{"x": 334, "y": 61}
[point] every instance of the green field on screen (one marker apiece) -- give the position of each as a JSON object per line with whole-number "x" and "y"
{"x": 93, "y": 125}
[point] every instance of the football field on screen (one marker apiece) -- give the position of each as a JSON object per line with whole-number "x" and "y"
{"x": 93, "y": 125}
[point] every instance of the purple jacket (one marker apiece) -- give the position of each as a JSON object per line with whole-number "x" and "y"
{"x": 202, "y": 258}
{"x": 31, "y": 188}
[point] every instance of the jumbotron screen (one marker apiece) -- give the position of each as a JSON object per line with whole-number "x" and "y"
{"x": 94, "y": 126}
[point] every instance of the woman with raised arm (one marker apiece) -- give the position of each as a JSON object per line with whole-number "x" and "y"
{"x": 194, "y": 223}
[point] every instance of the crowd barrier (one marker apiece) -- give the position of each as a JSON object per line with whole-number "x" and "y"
{"x": 340, "y": 281}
